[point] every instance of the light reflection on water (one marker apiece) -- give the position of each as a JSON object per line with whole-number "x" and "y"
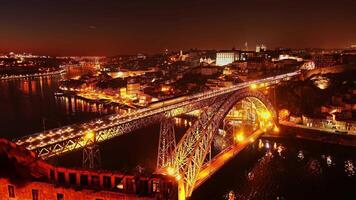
{"x": 275, "y": 169}
{"x": 321, "y": 82}
{"x": 31, "y": 101}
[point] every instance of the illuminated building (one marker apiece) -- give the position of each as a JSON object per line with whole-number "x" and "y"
{"x": 227, "y": 57}
{"x": 325, "y": 60}
{"x": 133, "y": 88}
{"x": 260, "y": 48}
{"x": 123, "y": 92}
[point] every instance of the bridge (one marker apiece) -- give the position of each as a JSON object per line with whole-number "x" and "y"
{"x": 185, "y": 160}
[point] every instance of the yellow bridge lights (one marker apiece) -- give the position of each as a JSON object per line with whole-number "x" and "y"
{"x": 173, "y": 173}
{"x": 266, "y": 115}
{"x": 264, "y": 86}
{"x": 276, "y": 129}
{"x": 239, "y": 137}
{"x": 266, "y": 122}
{"x": 253, "y": 86}
{"x": 89, "y": 136}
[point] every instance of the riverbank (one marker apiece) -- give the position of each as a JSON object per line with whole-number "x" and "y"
{"x": 314, "y": 135}
{"x": 57, "y": 72}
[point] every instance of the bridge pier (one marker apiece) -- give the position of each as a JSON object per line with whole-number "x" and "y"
{"x": 91, "y": 157}
{"x": 166, "y": 143}
{"x": 181, "y": 190}
{"x": 91, "y": 152}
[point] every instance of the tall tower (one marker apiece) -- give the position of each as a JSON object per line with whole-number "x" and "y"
{"x": 246, "y": 46}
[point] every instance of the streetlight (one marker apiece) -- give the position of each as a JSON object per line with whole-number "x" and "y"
{"x": 239, "y": 137}
{"x": 253, "y": 86}
{"x": 89, "y": 136}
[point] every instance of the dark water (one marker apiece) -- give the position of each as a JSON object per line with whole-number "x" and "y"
{"x": 286, "y": 169}
{"x": 29, "y": 105}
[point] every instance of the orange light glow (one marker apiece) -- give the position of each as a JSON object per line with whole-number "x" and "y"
{"x": 239, "y": 137}
{"x": 253, "y": 86}
{"x": 276, "y": 129}
{"x": 170, "y": 171}
{"x": 89, "y": 135}
{"x": 266, "y": 115}
{"x": 178, "y": 177}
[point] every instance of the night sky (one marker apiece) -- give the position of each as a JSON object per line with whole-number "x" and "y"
{"x": 103, "y": 27}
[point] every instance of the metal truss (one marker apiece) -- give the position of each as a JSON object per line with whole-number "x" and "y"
{"x": 91, "y": 157}
{"x": 166, "y": 143}
{"x": 194, "y": 146}
{"x": 120, "y": 128}
{"x": 191, "y": 137}
{"x": 91, "y": 153}
{"x": 65, "y": 139}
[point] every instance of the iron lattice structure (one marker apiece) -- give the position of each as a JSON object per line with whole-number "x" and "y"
{"x": 91, "y": 153}
{"x": 166, "y": 143}
{"x": 190, "y": 153}
{"x": 91, "y": 157}
{"x": 69, "y": 138}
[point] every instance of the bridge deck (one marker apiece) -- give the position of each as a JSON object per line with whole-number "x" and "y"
{"x": 68, "y": 138}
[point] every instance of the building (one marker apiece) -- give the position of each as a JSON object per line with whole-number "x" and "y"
{"x": 325, "y": 60}
{"x": 227, "y": 57}
{"x": 261, "y": 48}
{"x": 25, "y": 177}
{"x": 208, "y": 70}
{"x": 133, "y": 88}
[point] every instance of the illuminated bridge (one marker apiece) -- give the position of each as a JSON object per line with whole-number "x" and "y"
{"x": 185, "y": 159}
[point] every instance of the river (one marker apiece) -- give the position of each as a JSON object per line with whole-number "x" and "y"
{"x": 29, "y": 105}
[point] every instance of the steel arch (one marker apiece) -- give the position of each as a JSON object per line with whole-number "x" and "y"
{"x": 191, "y": 151}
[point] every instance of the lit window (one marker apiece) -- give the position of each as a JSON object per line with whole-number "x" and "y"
{"x": 155, "y": 186}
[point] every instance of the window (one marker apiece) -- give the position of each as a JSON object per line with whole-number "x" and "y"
{"x": 155, "y": 186}
{"x": 118, "y": 183}
{"x": 95, "y": 181}
{"x": 60, "y": 196}
{"x": 51, "y": 174}
{"x": 72, "y": 179}
{"x": 61, "y": 178}
{"x": 11, "y": 189}
{"x": 34, "y": 194}
{"x": 84, "y": 180}
{"x": 107, "y": 181}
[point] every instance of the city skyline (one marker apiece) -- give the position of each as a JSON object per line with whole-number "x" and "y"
{"x": 127, "y": 27}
